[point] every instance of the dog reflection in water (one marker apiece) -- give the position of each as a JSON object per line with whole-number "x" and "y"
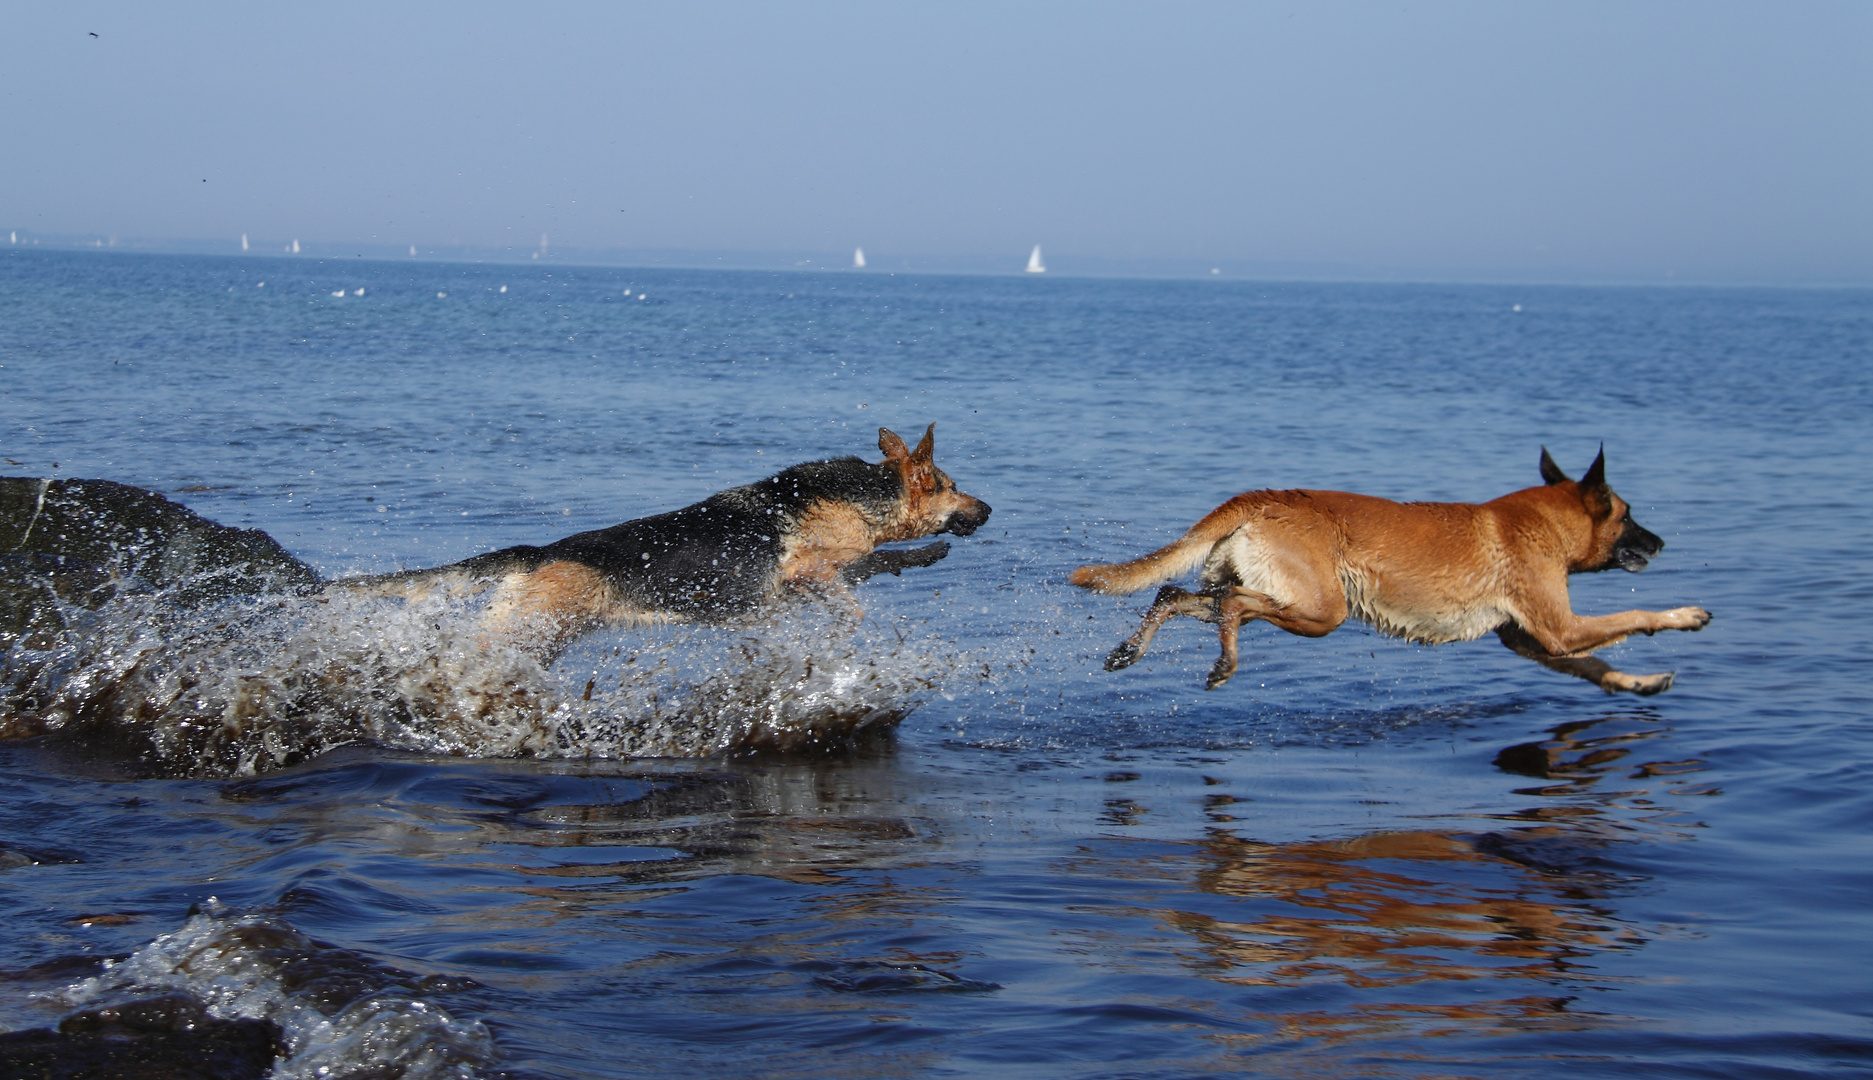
{"x": 811, "y": 530}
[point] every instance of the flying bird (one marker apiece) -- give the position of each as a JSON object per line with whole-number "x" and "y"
{"x": 94, "y": 33}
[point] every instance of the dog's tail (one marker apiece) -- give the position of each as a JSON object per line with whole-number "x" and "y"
{"x": 463, "y": 578}
{"x": 414, "y": 584}
{"x": 1178, "y": 557}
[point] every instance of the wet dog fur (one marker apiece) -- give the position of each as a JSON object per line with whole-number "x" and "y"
{"x": 813, "y": 528}
{"x": 1306, "y": 561}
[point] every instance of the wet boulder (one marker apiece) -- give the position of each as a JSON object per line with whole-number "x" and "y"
{"x": 68, "y": 544}
{"x": 163, "y": 1038}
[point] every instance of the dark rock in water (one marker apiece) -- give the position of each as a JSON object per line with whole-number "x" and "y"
{"x": 68, "y": 547}
{"x": 132, "y": 530}
{"x": 37, "y": 590}
{"x": 163, "y": 1038}
{"x": 174, "y": 1012}
{"x": 68, "y": 544}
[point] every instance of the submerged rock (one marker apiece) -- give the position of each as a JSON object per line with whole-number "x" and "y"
{"x": 171, "y": 1037}
{"x": 238, "y": 995}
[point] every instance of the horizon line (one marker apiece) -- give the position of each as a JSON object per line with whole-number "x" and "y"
{"x": 1143, "y": 268}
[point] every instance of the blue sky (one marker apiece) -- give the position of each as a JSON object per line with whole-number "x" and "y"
{"x": 1553, "y": 141}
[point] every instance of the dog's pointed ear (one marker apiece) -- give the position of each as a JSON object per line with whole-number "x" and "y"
{"x": 893, "y": 447}
{"x": 1595, "y": 476}
{"x": 926, "y": 447}
{"x": 1550, "y": 472}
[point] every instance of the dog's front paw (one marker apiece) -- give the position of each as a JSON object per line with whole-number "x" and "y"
{"x": 928, "y": 555}
{"x": 893, "y": 561}
{"x": 1220, "y": 674}
{"x": 1688, "y": 618}
{"x": 1122, "y": 657}
{"x": 1614, "y": 682}
{"x": 1647, "y": 685}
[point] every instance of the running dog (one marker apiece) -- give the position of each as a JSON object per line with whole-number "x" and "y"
{"x": 812, "y": 528}
{"x": 1426, "y": 572}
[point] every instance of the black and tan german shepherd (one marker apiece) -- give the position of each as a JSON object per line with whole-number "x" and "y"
{"x": 1306, "y": 561}
{"x": 812, "y": 528}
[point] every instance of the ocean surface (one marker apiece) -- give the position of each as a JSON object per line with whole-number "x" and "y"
{"x": 1361, "y": 858}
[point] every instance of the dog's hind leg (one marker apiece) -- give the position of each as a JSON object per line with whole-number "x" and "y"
{"x": 1591, "y": 668}
{"x": 1170, "y": 603}
{"x": 1319, "y": 615}
{"x": 541, "y": 612}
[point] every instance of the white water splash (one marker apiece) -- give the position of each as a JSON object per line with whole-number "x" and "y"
{"x": 259, "y": 683}
{"x": 232, "y": 964}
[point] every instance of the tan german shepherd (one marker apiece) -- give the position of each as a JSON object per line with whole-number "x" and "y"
{"x": 1427, "y": 572}
{"x": 813, "y": 527}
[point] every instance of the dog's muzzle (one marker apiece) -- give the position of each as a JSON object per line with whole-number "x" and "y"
{"x": 1636, "y": 547}
{"x": 964, "y": 522}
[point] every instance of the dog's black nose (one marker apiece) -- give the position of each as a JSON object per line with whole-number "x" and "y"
{"x": 962, "y": 522}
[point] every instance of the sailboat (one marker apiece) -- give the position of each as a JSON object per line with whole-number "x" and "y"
{"x": 1034, "y": 262}
{"x": 858, "y": 258}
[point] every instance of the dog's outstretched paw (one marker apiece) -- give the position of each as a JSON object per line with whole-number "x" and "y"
{"x": 1689, "y": 618}
{"x": 893, "y": 561}
{"x": 928, "y": 555}
{"x": 1220, "y": 674}
{"x": 1614, "y": 682}
{"x": 1122, "y": 657}
{"x": 1647, "y": 685}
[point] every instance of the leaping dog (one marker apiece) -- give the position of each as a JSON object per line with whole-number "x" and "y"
{"x": 814, "y": 527}
{"x": 1306, "y": 561}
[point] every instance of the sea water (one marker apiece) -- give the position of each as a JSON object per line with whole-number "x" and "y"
{"x": 1360, "y": 857}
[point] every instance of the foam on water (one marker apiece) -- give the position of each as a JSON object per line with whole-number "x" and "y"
{"x": 241, "y": 967}
{"x": 260, "y": 683}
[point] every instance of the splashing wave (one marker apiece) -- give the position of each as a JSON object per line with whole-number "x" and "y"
{"x": 256, "y": 683}
{"x": 254, "y": 967}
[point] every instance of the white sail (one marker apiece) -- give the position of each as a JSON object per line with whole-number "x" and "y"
{"x": 1034, "y": 262}
{"x": 858, "y": 258}
{"x": 243, "y": 241}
